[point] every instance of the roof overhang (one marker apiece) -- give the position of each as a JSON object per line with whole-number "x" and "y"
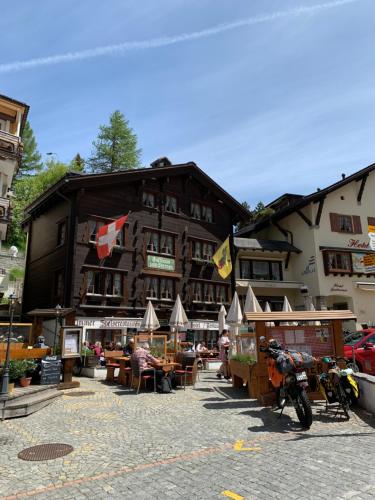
{"x": 264, "y": 245}
{"x": 51, "y": 312}
{"x": 281, "y": 285}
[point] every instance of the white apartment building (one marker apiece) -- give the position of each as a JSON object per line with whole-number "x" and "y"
{"x": 311, "y": 249}
{"x": 13, "y": 116}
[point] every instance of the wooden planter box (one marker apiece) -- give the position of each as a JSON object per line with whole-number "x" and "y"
{"x": 241, "y": 374}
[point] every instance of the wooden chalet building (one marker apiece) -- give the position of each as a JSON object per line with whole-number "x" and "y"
{"x": 178, "y": 217}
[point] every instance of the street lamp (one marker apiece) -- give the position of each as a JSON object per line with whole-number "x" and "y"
{"x": 58, "y": 315}
{"x": 5, "y": 378}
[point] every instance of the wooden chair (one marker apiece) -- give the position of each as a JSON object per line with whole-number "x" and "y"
{"x": 188, "y": 372}
{"x": 138, "y": 376}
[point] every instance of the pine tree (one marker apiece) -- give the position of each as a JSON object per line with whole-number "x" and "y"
{"x": 77, "y": 164}
{"x": 31, "y": 159}
{"x": 115, "y": 147}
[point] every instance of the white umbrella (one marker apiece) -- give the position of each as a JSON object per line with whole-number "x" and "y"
{"x": 234, "y": 319}
{"x": 222, "y": 314}
{"x": 288, "y": 308}
{"x": 178, "y": 317}
{"x": 150, "y": 321}
{"x": 267, "y": 309}
{"x": 251, "y": 302}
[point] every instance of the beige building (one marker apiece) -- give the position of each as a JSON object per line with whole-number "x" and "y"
{"x": 312, "y": 249}
{"x": 13, "y": 116}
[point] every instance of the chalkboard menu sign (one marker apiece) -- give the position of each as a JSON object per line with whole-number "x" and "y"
{"x": 50, "y": 370}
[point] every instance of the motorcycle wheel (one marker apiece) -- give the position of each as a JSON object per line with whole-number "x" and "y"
{"x": 303, "y": 409}
{"x": 343, "y": 400}
{"x": 280, "y": 398}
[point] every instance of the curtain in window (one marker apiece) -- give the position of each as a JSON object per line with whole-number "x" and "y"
{"x": 197, "y": 292}
{"x": 208, "y": 293}
{"x": 220, "y": 294}
{"x": 148, "y": 199}
{"x": 90, "y": 282}
{"x": 92, "y": 230}
{"x": 207, "y": 251}
{"x": 117, "y": 284}
{"x": 171, "y": 204}
{"x": 195, "y": 211}
{"x": 169, "y": 245}
{"x": 197, "y": 249}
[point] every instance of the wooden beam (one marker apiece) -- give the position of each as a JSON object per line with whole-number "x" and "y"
{"x": 362, "y": 188}
{"x": 319, "y": 213}
{"x": 304, "y": 217}
{"x": 282, "y": 231}
{"x": 287, "y": 260}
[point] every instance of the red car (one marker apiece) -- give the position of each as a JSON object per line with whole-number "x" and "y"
{"x": 364, "y": 350}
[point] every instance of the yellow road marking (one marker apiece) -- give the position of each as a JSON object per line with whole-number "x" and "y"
{"x": 231, "y": 494}
{"x": 239, "y": 446}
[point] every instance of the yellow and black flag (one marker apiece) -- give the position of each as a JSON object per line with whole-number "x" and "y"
{"x": 222, "y": 259}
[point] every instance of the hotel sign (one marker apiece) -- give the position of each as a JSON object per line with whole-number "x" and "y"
{"x": 161, "y": 263}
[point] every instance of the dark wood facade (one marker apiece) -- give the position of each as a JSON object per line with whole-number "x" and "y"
{"x": 178, "y": 218}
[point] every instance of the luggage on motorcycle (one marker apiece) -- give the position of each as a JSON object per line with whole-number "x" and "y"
{"x": 290, "y": 360}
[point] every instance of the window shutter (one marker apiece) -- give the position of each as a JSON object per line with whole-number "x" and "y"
{"x": 371, "y": 221}
{"x": 357, "y": 228}
{"x": 334, "y": 218}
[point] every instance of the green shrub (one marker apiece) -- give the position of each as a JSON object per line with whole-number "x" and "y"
{"x": 244, "y": 358}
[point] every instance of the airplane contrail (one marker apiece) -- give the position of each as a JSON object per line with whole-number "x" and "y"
{"x": 168, "y": 40}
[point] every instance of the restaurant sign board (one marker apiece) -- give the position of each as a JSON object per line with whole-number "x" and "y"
{"x": 161, "y": 263}
{"x": 109, "y": 323}
{"x": 369, "y": 262}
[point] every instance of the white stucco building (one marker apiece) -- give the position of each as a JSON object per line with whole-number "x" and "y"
{"x": 13, "y": 116}
{"x": 311, "y": 249}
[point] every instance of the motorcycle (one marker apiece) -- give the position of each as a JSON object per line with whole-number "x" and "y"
{"x": 287, "y": 375}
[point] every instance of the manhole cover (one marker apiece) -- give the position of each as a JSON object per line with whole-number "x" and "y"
{"x": 45, "y": 452}
{"x": 77, "y": 394}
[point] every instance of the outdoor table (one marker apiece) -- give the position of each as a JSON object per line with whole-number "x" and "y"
{"x": 123, "y": 361}
{"x": 169, "y": 366}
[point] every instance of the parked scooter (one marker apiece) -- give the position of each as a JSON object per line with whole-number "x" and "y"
{"x": 286, "y": 370}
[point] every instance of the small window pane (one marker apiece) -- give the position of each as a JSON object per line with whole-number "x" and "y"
{"x": 148, "y": 199}
{"x": 171, "y": 204}
{"x": 345, "y": 223}
{"x": 275, "y": 270}
{"x": 195, "y": 211}
{"x": 245, "y": 269}
{"x": 260, "y": 270}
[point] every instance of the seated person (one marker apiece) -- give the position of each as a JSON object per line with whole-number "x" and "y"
{"x": 129, "y": 348}
{"x": 201, "y": 347}
{"x": 146, "y": 362}
{"x": 86, "y": 348}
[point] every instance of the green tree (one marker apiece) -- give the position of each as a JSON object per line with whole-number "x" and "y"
{"x": 115, "y": 147}
{"x": 261, "y": 211}
{"x": 31, "y": 160}
{"x": 27, "y": 189}
{"x": 78, "y": 164}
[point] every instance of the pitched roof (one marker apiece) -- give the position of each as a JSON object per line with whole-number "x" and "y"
{"x": 297, "y": 202}
{"x": 73, "y": 181}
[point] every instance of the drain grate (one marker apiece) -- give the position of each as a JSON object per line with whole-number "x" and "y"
{"x": 77, "y": 394}
{"x": 45, "y": 452}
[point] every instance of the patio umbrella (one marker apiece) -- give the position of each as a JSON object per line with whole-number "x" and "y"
{"x": 234, "y": 319}
{"x": 288, "y": 308}
{"x": 150, "y": 321}
{"x": 178, "y": 317}
{"x": 222, "y": 314}
{"x": 267, "y": 309}
{"x": 251, "y": 302}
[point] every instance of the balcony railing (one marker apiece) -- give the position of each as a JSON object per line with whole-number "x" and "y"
{"x": 10, "y": 144}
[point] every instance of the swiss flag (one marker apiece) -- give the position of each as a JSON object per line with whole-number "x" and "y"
{"x": 106, "y": 237}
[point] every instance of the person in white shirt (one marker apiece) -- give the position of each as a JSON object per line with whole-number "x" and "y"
{"x": 223, "y": 345}
{"x": 201, "y": 347}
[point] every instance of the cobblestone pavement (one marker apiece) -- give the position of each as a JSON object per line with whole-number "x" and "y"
{"x": 186, "y": 445}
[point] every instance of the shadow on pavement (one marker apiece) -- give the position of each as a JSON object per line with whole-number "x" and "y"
{"x": 231, "y": 404}
{"x": 304, "y": 435}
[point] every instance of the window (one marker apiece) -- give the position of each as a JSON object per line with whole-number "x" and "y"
{"x": 94, "y": 282}
{"x": 148, "y": 199}
{"x": 221, "y": 294}
{"x": 345, "y": 223}
{"x": 59, "y": 286}
{"x": 338, "y": 262}
{"x": 195, "y": 211}
{"x": 201, "y": 212}
{"x": 197, "y": 292}
{"x": 113, "y": 284}
{"x": 201, "y": 250}
{"x": 160, "y": 243}
{"x": 260, "y": 270}
{"x": 160, "y": 288}
{"x": 209, "y": 293}
{"x": 207, "y": 214}
{"x": 171, "y": 204}
{"x": 94, "y": 227}
{"x": 4, "y": 125}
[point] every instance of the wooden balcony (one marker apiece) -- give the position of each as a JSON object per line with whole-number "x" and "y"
{"x": 10, "y": 145}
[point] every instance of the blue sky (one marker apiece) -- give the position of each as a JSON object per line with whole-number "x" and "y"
{"x": 285, "y": 103}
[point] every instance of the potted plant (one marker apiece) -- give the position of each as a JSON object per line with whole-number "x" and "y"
{"x": 241, "y": 370}
{"x": 29, "y": 367}
{"x": 15, "y": 372}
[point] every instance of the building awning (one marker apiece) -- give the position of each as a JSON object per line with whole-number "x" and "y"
{"x": 366, "y": 286}
{"x": 51, "y": 313}
{"x": 300, "y": 316}
{"x": 296, "y": 285}
{"x": 264, "y": 245}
